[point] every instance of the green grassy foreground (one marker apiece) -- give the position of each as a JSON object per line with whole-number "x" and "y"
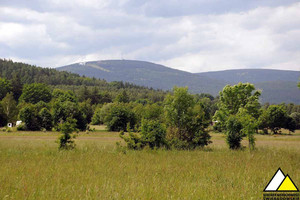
{"x": 31, "y": 167}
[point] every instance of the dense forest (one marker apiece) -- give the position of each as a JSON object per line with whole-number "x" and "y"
{"x": 43, "y": 99}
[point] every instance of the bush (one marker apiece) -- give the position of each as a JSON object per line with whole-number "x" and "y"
{"x": 233, "y": 133}
{"x": 21, "y": 127}
{"x": 152, "y": 134}
{"x": 133, "y": 140}
{"x": 66, "y": 139}
{"x": 8, "y": 129}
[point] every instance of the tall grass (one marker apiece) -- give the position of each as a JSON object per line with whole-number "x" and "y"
{"x": 34, "y": 169}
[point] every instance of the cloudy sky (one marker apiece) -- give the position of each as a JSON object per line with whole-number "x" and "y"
{"x": 191, "y": 35}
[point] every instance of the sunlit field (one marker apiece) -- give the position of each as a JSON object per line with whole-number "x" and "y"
{"x": 32, "y": 167}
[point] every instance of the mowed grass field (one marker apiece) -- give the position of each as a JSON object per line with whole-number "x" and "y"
{"x": 32, "y": 167}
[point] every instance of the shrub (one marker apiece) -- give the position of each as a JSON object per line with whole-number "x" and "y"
{"x": 8, "y": 129}
{"x": 21, "y": 127}
{"x": 233, "y": 133}
{"x": 66, "y": 139}
{"x": 133, "y": 140}
{"x": 152, "y": 134}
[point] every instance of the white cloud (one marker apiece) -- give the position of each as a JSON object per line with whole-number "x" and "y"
{"x": 60, "y": 33}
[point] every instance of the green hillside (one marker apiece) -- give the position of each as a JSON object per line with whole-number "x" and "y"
{"x": 277, "y": 85}
{"x": 145, "y": 74}
{"x": 26, "y": 74}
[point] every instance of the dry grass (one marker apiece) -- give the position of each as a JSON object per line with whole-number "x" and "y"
{"x": 31, "y": 167}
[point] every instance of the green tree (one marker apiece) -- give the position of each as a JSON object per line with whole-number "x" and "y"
{"x": 45, "y": 119}
{"x": 63, "y": 110}
{"x": 64, "y": 95}
{"x": 5, "y": 87}
{"x": 122, "y": 97}
{"x": 10, "y": 109}
{"x": 66, "y": 141}
{"x": 232, "y": 98}
{"x": 234, "y": 135}
{"x": 274, "y": 118}
{"x": 101, "y": 114}
{"x": 186, "y": 120}
{"x": 29, "y": 115}
{"x": 86, "y": 108}
{"x": 84, "y": 93}
{"x": 118, "y": 116}
{"x": 95, "y": 96}
{"x": 35, "y": 92}
{"x": 152, "y": 134}
{"x": 3, "y": 119}
{"x": 296, "y": 117}
{"x": 16, "y": 86}
{"x": 239, "y": 104}
{"x": 96, "y": 119}
{"x": 249, "y": 126}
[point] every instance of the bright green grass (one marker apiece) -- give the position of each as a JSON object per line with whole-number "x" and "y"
{"x": 31, "y": 167}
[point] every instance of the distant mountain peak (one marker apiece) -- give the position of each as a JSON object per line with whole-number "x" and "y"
{"x": 271, "y": 82}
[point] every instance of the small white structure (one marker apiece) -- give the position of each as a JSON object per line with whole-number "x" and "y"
{"x": 214, "y": 122}
{"x": 9, "y": 125}
{"x": 18, "y": 123}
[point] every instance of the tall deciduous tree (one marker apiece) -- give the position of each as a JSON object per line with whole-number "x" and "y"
{"x": 9, "y": 106}
{"x": 238, "y": 103}
{"x": 232, "y": 98}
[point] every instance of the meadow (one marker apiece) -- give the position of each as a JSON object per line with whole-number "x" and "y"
{"x": 32, "y": 167}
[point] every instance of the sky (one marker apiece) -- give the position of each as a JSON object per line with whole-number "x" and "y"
{"x": 190, "y": 35}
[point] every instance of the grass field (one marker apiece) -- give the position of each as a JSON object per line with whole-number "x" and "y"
{"x": 31, "y": 167}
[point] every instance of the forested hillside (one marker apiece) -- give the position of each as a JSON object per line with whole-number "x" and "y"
{"x": 21, "y": 73}
{"x": 277, "y": 86}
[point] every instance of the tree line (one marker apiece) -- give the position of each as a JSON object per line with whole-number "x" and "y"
{"x": 144, "y": 116}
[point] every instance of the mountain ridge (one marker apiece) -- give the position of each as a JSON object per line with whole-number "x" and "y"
{"x": 277, "y": 85}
